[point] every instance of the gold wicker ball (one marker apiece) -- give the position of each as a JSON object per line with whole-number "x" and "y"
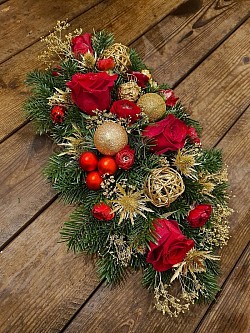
{"x": 110, "y": 137}
{"x": 164, "y": 186}
{"x": 129, "y": 90}
{"x": 153, "y": 105}
{"x": 120, "y": 54}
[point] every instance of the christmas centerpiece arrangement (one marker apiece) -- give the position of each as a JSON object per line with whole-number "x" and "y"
{"x": 148, "y": 197}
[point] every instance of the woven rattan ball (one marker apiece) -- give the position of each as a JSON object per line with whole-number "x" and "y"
{"x": 129, "y": 90}
{"x": 120, "y": 54}
{"x": 163, "y": 186}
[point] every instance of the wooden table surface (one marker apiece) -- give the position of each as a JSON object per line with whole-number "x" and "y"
{"x": 202, "y": 49}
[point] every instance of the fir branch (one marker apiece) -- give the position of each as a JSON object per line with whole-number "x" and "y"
{"x": 101, "y": 40}
{"x": 137, "y": 64}
{"x": 210, "y": 160}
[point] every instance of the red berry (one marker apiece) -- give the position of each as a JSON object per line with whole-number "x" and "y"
{"x": 57, "y": 114}
{"x": 88, "y": 161}
{"x": 94, "y": 180}
{"x": 107, "y": 165}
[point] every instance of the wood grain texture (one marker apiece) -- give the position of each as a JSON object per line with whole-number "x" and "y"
{"x": 218, "y": 90}
{"x": 13, "y": 92}
{"x": 41, "y": 285}
{"x": 182, "y": 40}
{"x": 130, "y": 308}
{"x": 24, "y": 22}
{"x": 216, "y": 102}
{"x": 22, "y": 159}
{"x": 231, "y": 312}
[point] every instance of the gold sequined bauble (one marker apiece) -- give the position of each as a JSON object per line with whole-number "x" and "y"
{"x": 129, "y": 90}
{"x": 163, "y": 186}
{"x": 110, "y": 138}
{"x": 153, "y": 105}
{"x": 120, "y": 54}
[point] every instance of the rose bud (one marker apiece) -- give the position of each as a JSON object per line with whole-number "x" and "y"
{"x": 105, "y": 64}
{"x": 198, "y": 216}
{"x": 171, "y": 247}
{"x": 140, "y": 78}
{"x": 169, "y": 97}
{"x": 193, "y": 136}
{"x": 56, "y": 71}
{"x": 126, "y": 109}
{"x": 81, "y": 44}
{"x": 102, "y": 212}
{"x": 125, "y": 158}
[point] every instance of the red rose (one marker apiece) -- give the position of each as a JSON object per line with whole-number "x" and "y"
{"x": 171, "y": 248}
{"x": 91, "y": 91}
{"x": 169, "y": 97}
{"x": 167, "y": 134}
{"x": 198, "y": 216}
{"x": 126, "y": 109}
{"x": 141, "y": 79}
{"x": 193, "y": 136}
{"x": 102, "y": 212}
{"x": 81, "y": 44}
{"x": 125, "y": 158}
{"x": 105, "y": 64}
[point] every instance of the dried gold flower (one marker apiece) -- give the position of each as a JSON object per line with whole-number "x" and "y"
{"x": 75, "y": 144}
{"x": 185, "y": 162}
{"x": 129, "y": 204}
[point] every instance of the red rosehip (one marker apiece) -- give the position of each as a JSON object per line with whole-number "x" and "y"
{"x": 88, "y": 161}
{"x": 57, "y": 114}
{"x": 94, "y": 180}
{"x": 105, "y": 64}
{"x": 107, "y": 165}
{"x": 102, "y": 212}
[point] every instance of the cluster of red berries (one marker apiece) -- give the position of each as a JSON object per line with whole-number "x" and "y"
{"x": 96, "y": 168}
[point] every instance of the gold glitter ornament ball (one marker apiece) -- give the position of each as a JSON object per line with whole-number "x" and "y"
{"x": 110, "y": 137}
{"x": 153, "y": 105}
{"x": 129, "y": 90}
{"x": 164, "y": 186}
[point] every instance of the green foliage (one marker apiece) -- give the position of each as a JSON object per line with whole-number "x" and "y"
{"x": 137, "y": 64}
{"x": 67, "y": 178}
{"x": 101, "y": 40}
{"x": 210, "y": 160}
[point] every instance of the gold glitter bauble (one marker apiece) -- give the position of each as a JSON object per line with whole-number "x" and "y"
{"x": 110, "y": 138}
{"x": 129, "y": 90}
{"x": 163, "y": 186}
{"x": 153, "y": 105}
{"x": 120, "y": 54}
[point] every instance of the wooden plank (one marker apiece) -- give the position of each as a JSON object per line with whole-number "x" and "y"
{"x": 231, "y": 312}
{"x": 130, "y": 308}
{"x": 166, "y": 36}
{"x": 22, "y": 159}
{"x": 183, "y": 39}
{"x": 23, "y": 23}
{"x": 13, "y": 92}
{"x": 217, "y": 91}
{"x": 216, "y": 102}
{"x": 41, "y": 285}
